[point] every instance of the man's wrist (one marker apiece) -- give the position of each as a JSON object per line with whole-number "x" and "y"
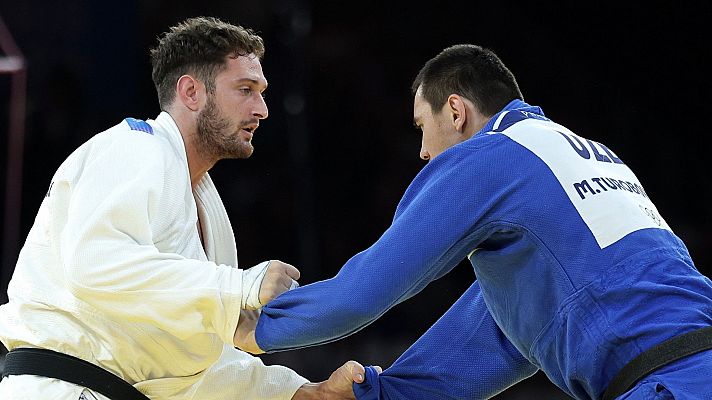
{"x": 308, "y": 391}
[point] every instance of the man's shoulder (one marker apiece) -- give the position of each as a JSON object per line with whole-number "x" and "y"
{"x": 132, "y": 136}
{"x": 130, "y": 130}
{"x": 132, "y": 143}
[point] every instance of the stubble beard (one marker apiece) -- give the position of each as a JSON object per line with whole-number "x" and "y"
{"x": 217, "y": 138}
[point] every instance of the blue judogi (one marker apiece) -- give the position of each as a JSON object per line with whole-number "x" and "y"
{"x": 577, "y": 273}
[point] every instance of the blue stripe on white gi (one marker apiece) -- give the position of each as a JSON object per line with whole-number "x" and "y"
{"x": 139, "y": 125}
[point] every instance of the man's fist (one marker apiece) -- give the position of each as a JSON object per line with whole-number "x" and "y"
{"x": 277, "y": 280}
{"x": 339, "y": 386}
{"x": 265, "y": 281}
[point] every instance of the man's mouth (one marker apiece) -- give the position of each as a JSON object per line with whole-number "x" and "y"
{"x": 250, "y": 129}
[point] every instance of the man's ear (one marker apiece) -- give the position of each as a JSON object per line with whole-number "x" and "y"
{"x": 458, "y": 112}
{"x": 187, "y": 92}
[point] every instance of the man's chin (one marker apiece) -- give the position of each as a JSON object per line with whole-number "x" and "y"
{"x": 243, "y": 152}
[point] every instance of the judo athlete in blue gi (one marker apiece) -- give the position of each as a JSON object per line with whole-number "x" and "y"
{"x": 577, "y": 272}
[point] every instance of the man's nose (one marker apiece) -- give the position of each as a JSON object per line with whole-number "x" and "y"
{"x": 261, "y": 110}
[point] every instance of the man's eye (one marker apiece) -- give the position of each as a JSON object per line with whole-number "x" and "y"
{"x": 246, "y": 91}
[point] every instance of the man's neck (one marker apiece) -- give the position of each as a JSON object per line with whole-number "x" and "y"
{"x": 198, "y": 166}
{"x": 198, "y": 163}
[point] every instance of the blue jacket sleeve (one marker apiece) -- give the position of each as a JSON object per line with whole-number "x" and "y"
{"x": 464, "y": 355}
{"x": 432, "y": 232}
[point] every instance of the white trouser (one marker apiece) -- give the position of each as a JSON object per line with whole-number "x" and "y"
{"x": 32, "y": 387}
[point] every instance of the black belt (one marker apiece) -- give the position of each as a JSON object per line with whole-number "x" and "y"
{"x": 664, "y": 353}
{"x": 70, "y": 369}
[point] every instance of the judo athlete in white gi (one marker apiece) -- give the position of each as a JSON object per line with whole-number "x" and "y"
{"x": 131, "y": 263}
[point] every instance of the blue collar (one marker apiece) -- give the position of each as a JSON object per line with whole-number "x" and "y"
{"x": 523, "y": 111}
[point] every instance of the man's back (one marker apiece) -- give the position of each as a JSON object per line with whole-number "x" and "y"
{"x": 574, "y": 261}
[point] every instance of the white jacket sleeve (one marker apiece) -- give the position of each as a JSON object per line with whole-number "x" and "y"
{"x": 108, "y": 207}
{"x": 239, "y": 375}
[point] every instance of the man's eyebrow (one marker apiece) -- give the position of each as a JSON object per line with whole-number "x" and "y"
{"x": 251, "y": 80}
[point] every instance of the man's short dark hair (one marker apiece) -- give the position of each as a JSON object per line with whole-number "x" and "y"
{"x": 470, "y": 71}
{"x": 198, "y": 46}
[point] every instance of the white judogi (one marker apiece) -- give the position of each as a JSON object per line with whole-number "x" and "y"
{"x": 113, "y": 272}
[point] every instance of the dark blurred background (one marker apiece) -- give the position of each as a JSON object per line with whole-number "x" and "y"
{"x": 339, "y": 147}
